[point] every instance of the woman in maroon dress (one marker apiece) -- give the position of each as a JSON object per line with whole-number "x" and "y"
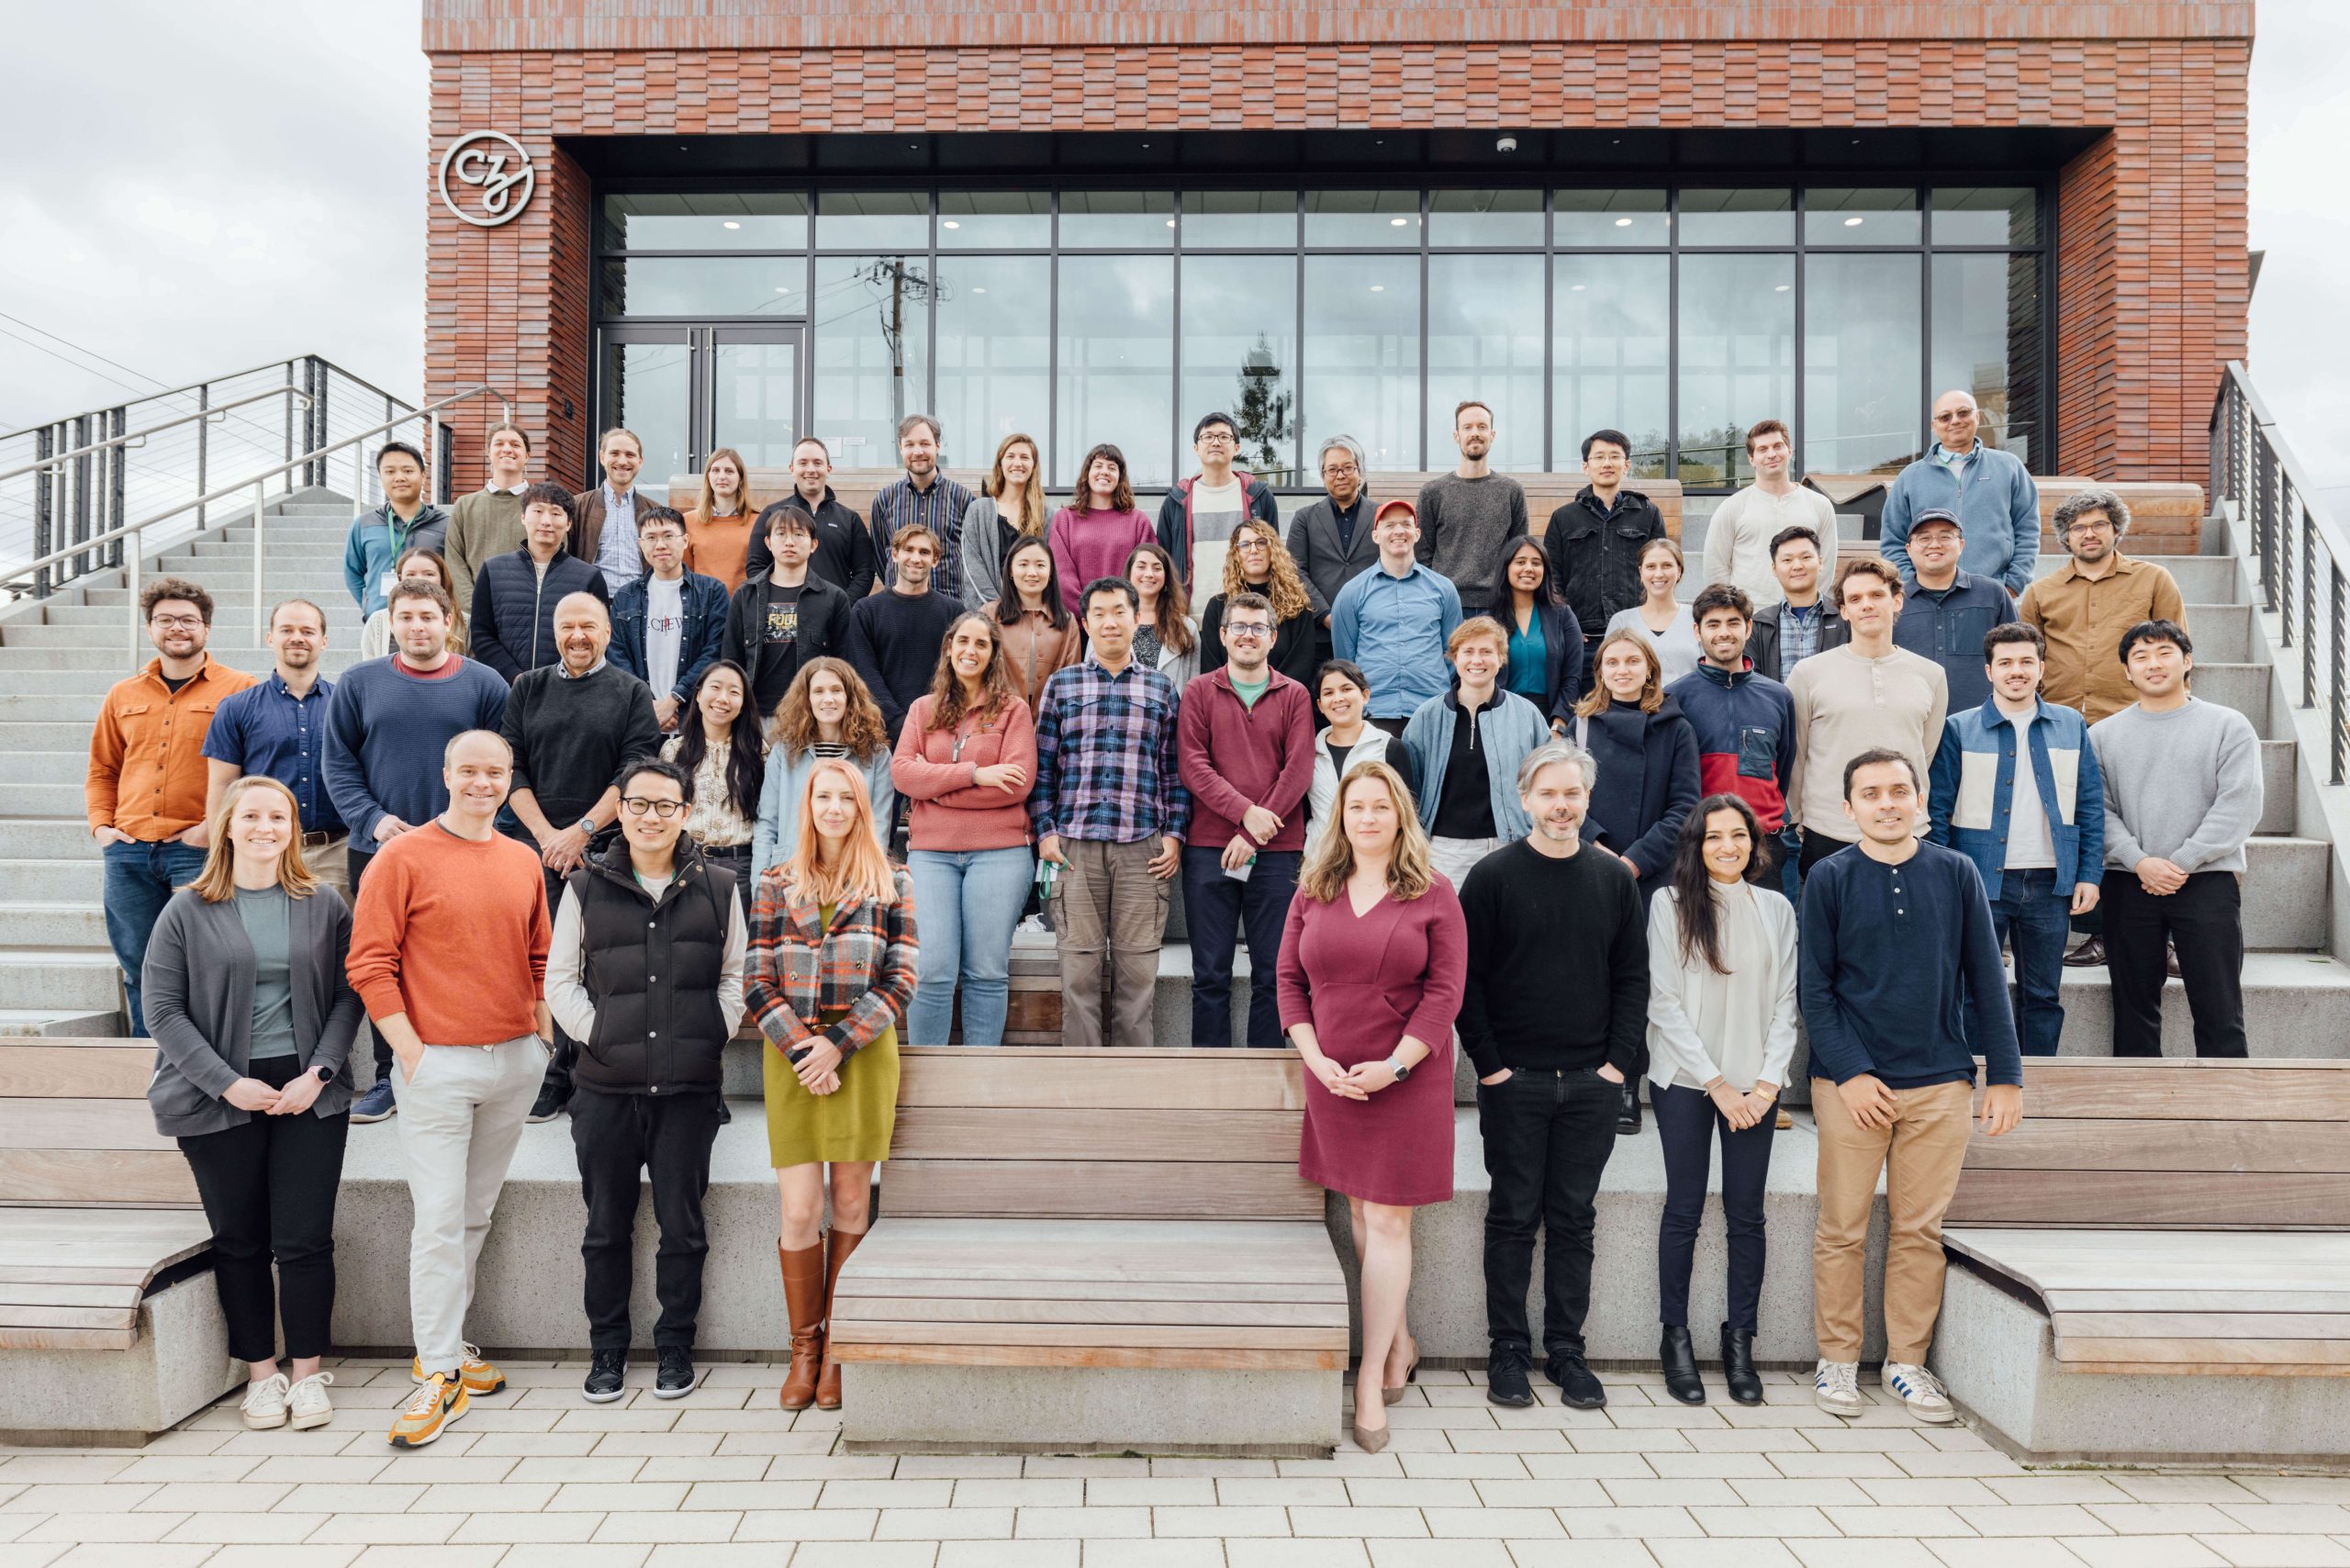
{"x": 1372, "y": 967}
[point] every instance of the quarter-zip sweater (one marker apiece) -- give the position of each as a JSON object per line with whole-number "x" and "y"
{"x": 1233, "y": 756}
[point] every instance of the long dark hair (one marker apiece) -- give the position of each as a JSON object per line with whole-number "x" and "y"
{"x": 996, "y": 689}
{"x": 1545, "y": 592}
{"x": 1170, "y": 610}
{"x": 1007, "y": 599}
{"x": 1693, "y": 885}
{"x": 747, "y": 754}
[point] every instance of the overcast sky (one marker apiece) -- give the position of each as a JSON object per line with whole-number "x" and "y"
{"x": 193, "y": 188}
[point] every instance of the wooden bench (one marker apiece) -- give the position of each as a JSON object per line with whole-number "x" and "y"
{"x": 1084, "y": 1251}
{"x": 2160, "y": 1219}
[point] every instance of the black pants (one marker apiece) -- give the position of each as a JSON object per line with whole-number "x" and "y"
{"x": 268, "y": 1188}
{"x": 1215, "y": 911}
{"x": 1686, "y": 1122}
{"x": 2205, "y": 918}
{"x": 735, "y": 859}
{"x": 1816, "y": 846}
{"x": 1548, "y": 1135}
{"x": 620, "y": 1138}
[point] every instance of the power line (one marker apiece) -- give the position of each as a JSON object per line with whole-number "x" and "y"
{"x": 44, "y": 348}
{"x": 77, "y": 347}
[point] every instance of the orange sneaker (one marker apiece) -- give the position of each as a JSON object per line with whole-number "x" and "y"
{"x": 477, "y": 1375}
{"x": 438, "y": 1402}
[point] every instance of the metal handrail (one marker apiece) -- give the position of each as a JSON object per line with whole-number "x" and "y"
{"x": 208, "y": 415}
{"x": 165, "y": 392}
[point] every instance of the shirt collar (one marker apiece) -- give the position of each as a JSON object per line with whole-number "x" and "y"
{"x": 1945, "y": 455}
{"x": 318, "y": 688}
{"x": 562, "y": 671}
{"x": 614, "y": 502}
{"x": 2120, "y": 563}
{"x": 510, "y": 490}
{"x": 1995, "y": 715}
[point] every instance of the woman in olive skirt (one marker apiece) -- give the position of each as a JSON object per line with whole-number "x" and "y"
{"x": 830, "y": 968}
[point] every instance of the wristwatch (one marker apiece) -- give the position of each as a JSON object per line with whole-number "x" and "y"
{"x": 322, "y": 1073}
{"x": 587, "y": 824}
{"x": 1398, "y": 1069}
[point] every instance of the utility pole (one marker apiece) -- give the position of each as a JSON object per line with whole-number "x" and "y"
{"x": 905, "y": 285}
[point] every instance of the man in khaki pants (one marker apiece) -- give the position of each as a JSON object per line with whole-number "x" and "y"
{"x": 1901, "y": 986}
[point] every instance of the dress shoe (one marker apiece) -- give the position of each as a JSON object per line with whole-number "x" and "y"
{"x": 1628, "y": 1118}
{"x": 1738, "y": 1365}
{"x": 2089, "y": 954}
{"x": 1679, "y": 1359}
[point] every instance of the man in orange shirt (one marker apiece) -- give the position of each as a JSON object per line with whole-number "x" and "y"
{"x": 145, "y": 789}
{"x": 449, "y": 953}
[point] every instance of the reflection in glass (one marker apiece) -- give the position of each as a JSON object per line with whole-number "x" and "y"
{"x": 1842, "y": 217}
{"x": 704, "y": 285}
{"x": 754, "y": 405}
{"x": 1362, "y": 217}
{"x": 1140, "y": 219}
{"x": 1240, "y": 355}
{"x": 1116, "y": 376}
{"x": 699, "y": 220}
{"x": 1485, "y": 341}
{"x": 1611, "y": 337}
{"x": 1484, "y": 217}
{"x": 971, "y": 220}
{"x": 879, "y": 221}
{"x": 1863, "y": 345}
{"x": 646, "y": 388}
{"x": 1362, "y": 355}
{"x": 1213, "y": 219}
{"x": 1610, "y": 217}
{"x": 1986, "y": 341}
{"x": 994, "y": 352}
{"x": 871, "y": 351}
{"x": 1737, "y": 217}
{"x": 1987, "y": 215}
{"x": 1737, "y": 352}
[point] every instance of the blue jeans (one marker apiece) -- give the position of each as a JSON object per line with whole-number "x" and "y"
{"x": 966, "y": 903}
{"x": 141, "y": 880}
{"x": 1790, "y": 872}
{"x": 2031, "y": 915}
{"x": 1215, "y": 909}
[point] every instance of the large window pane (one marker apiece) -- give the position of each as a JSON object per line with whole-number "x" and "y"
{"x": 1240, "y": 355}
{"x": 994, "y": 352}
{"x": 647, "y": 389}
{"x": 1362, "y": 217}
{"x": 1485, "y": 341}
{"x": 988, "y": 220}
{"x": 1863, "y": 345}
{"x": 1485, "y": 217}
{"x": 704, "y": 285}
{"x": 739, "y": 220}
{"x": 1213, "y": 219}
{"x": 881, "y": 221}
{"x": 754, "y": 392}
{"x": 1362, "y": 355}
{"x": 1123, "y": 219}
{"x": 1737, "y": 217}
{"x": 1986, "y": 341}
{"x": 1838, "y": 216}
{"x": 1116, "y": 377}
{"x": 1610, "y": 217}
{"x": 872, "y": 353}
{"x": 1987, "y": 215}
{"x": 1736, "y": 341}
{"x": 1611, "y": 337}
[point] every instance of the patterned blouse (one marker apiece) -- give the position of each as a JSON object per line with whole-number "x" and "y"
{"x": 716, "y": 820}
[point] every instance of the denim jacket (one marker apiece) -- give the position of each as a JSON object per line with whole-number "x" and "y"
{"x": 705, "y": 610}
{"x": 1974, "y": 787}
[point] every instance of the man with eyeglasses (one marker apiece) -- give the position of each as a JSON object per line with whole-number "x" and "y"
{"x": 1244, "y": 745}
{"x": 646, "y": 961}
{"x": 2084, "y": 606}
{"x": 1196, "y": 520}
{"x": 1331, "y": 537}
{"x": 1990, "y": 491}
{"x": 575, "y": 726}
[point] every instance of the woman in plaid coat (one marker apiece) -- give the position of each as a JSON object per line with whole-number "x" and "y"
{"x": 830, "y": 968}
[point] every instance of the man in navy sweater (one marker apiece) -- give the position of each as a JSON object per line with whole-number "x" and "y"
{"x": 1900, "y": 969}
{"x": 894, "y": 636}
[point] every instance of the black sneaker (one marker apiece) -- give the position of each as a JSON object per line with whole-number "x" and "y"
{"x": 605, "y": 1371}
{"x": 725, "y": 1112}
{"x": 676, "y": 1377}
{"x": 1577, "y": 1387}
{"x": 548, "y": 1105}
{"x": 1627, "y": 1114}
{"x": 1505, "y": 1379}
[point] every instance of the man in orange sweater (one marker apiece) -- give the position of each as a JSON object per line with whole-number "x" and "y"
{"x": 449, "y": 953}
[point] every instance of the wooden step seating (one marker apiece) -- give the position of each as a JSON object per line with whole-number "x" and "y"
{"x": 1084, "y": 1251}
{"x": 2161, "y": 1218}
{"x": 110, "y": 1326}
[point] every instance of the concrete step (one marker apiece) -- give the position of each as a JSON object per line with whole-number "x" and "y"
{"x": 2202, "y": 579}
{"x": 18, "y": 767}
{"x": 72, "y": 881}
{"x": 2285, "y": 889}
{"x": 2242, "y": 687}
{"x": 2222, "y": 632}
{"x": 34, "y": 662}
{"x": 288, "y": 547}
{"x": 234, "y": 590}
{"x": 2279, "y": 787}
{"x": 53, "y": 800}
{"x": 23, "y": 838}
{"x": 61, "y": 979}
{"x": 31, "y": 1022}
{"x": 49, "y": 706}
{"x": 25, "y": 922}
{"x": 344, "y": 622}
{"x": 50, "y": 734}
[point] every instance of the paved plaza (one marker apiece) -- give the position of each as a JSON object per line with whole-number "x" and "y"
{"x": 534, "y": 1476}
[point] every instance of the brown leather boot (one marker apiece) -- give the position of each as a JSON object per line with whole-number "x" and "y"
{"x": 839, "y": 1245}
{"x": 803, "y": 1302}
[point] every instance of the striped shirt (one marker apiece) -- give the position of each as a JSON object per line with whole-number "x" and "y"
{"x": 1107, "y": 770}
{"x": 939, "y": 508}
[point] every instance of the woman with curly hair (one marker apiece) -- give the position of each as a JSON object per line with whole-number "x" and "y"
{"x": 828, "y": 714}
{"x": 1258, "y": 562}
{"x": 1166, "y": 637}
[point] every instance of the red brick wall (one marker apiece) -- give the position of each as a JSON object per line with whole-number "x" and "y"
{"x": 2151, "y": 275}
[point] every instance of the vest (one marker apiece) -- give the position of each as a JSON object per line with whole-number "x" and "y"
{"x": 655, "y": 980}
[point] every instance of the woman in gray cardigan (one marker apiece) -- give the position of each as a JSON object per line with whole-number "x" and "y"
{"x": 252, "y": 1020}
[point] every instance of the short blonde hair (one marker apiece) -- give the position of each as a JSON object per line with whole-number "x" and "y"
{"x": 1474, "y": 628}
{"x": 1331, "y": 859}
{"x": 218, "y": 880}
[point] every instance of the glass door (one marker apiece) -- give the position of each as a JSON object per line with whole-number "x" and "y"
{"x": 754, "y": 390}
{"x": 688, "y": 390}
{"x": 646, "y": 383}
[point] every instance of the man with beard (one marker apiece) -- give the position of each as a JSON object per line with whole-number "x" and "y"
{"x": 1468, "y": 515}
{"x": 926, "y": 496}
{"x": 278, "y": 726}
{"x": 2084, "y": 606}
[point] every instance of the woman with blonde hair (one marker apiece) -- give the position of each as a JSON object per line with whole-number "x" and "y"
{"x": 719, "y": 527}
{"x": 831, "y": 963}
{"x": 1008, "y": 508}
{"x": 375, "y": 637}
{"x": 1255, "y": 561}
{"x": 1166, "y": 637}
{"x": 828, "y": 712}
{"x": 1373, "y": 960}
{"x": 1660, "y": 616}
{"x": 252, "y": 1020}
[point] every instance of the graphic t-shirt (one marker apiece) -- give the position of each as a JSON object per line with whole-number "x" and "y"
{"x": 665, "y": 632}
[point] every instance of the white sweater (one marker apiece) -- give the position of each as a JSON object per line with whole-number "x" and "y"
{"x": 1740, "y": 1024}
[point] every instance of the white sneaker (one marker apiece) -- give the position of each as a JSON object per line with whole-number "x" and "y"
{"x": 1920, "y": 1391}
{"x": 308, "y": 1403}
{"x": 1836, "y": 1388}
{"x": 264, "y": 1404}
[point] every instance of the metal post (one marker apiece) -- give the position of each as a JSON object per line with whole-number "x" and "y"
{"x": 118, "y": 506}
{"x": 2285, "y": 560}
{"x": 130, "y": 579}
{"x": 81, "y": 493}
{"x": 290, "y": 381}
{"x": 44, "y": 525}
{"x": 261, "y": 613}
{"x": 2309, "y": 613}
{"x": 203, "y": 448}
{"x": 2335, "y": 734}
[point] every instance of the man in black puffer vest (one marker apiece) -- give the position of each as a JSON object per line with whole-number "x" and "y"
{"x": 645, "y": 970}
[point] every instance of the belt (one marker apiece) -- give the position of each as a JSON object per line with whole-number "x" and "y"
{"x": 312, "y": 840}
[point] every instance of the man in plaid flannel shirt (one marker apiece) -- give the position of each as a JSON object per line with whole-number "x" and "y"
{"x": 1110, "y": 810}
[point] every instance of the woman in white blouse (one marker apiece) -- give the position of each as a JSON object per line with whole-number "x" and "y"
{"x": 1721, "y": 1040}
{"x": 1660, "y": 616}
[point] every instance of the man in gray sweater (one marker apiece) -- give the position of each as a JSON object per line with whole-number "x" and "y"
{"x": 2182, "y": 793}
{"x": 1468, "y": 515}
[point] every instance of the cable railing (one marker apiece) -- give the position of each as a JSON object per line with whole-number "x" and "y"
{"x": 2301, "y": 549}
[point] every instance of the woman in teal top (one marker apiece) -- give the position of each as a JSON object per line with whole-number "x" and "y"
{"x": 1546, "y": 654}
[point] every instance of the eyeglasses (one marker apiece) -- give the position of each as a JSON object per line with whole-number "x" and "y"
{"x": 1216, "y": 438}
{"x": 1339, "y": 470}
{"x": 637, "y": 806}
{"x": 1246, "y": 628}
{"x": 1954, "y": 416}
{"x": 177, "y": 622}
{"x": 2083, "y": 524}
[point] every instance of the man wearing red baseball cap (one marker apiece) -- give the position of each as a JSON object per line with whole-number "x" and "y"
{"x": 1393, "y": 620}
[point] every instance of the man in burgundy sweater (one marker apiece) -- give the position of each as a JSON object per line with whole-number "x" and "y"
{"x": 1244, "y": 745}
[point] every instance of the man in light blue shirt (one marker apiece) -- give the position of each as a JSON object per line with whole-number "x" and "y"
{"x": 1991, "y": 491}
{"x": 1393, "y": 620}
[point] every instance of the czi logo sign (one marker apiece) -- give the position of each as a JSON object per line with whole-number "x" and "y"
{"x": 487, "y": 178}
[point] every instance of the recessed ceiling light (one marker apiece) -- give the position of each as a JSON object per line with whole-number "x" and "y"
{"x": 979, "y": 291}
{"x": 783, "y": 289}
{"x": 1782, "y": 288}
{"x": 1623, "y": 223}
{"x": 949, "y": 223}
{"x": 1398, "y": 222}
{"x": 1379, "y": 288}
{"x": 731, "y": 224}
{"x": 1574, "y": 289}
{"x": 1852, "y": 222}
{"x": 1171, "y": 223}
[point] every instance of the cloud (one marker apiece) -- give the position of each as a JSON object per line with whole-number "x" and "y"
{"x": 2299, "y": 333}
